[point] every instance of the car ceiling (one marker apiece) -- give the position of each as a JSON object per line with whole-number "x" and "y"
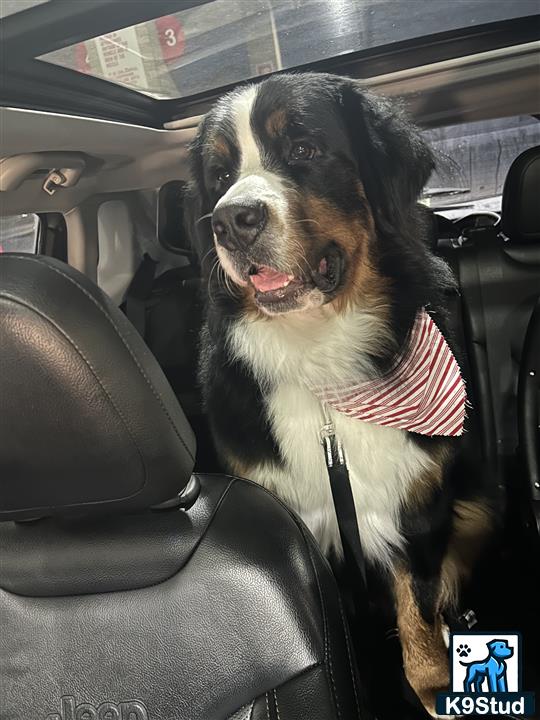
{"x": 138, "y": 142}
{"x": 119, "y": 157}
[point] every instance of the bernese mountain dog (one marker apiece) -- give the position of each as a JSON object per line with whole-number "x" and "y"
{"x": 319, "y": 271}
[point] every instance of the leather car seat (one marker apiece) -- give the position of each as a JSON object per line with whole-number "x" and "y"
{"x": 529, "y": 416}
{"x": 521, "y": 223}
{"x": 126, "y": 595}
{"x": 499, "y": 280}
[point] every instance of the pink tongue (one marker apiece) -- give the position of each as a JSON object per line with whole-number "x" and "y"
{"x": 267, "y": 279}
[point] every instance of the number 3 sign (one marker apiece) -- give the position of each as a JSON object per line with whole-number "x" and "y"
{"x": 171, "y": 37}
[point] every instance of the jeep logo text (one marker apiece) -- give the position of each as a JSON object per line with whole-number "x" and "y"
{"x": 131, "y": 710}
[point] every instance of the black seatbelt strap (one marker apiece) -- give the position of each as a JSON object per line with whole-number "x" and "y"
{"x": 342, "y": 495}
{"x": 352, "y": 580}
{"x": 138, "y": 293}
{"x": 491, "y": 274}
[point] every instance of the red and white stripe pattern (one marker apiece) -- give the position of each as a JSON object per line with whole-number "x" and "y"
{"x": 423, "y": 393}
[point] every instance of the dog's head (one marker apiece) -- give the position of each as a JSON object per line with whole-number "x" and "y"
{"x": 500, "y": 649}
{"x": 298, "y": 177}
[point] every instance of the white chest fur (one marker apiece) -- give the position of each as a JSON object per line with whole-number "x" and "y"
{"x": 289, "y": 354}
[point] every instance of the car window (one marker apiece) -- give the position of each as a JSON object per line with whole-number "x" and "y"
{"x": 473, "y": 160}
{"x": 226, "y": 41}
{"x": 19, "y": 233}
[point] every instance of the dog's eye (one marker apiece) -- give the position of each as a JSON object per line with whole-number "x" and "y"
{"x": 223, "y": 176}
{"x": 301, "y": 151}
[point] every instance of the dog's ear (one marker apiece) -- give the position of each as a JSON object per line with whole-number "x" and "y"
{"x": 394, "y": 162}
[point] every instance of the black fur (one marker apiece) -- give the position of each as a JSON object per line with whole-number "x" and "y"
{"x": 234, "y": 404}
{"x": 427, "y": 532}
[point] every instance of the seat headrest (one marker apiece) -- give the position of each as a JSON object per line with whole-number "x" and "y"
{"x": 520, "y": 206}
{"x": 88, "y": 421}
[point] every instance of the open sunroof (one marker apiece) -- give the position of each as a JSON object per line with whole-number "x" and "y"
{"x": 226, "y": 41}
{"x": 148, "y": 62}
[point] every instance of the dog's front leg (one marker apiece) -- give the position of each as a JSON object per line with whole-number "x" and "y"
{"x": 425, "y": 655}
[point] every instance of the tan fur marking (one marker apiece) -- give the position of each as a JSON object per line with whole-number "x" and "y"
{"x": 221, "y": 147}
{"x": 235, "y": 466}
{"x": 472, "y": 526}
{"x": 354, "y": 235}
{"x": 425, "y": 657}
{"x": 276, "y": 123}
{"x": 424, "y": 486}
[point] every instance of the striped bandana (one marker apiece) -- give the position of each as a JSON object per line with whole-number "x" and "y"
{"x": 423, "y": 393}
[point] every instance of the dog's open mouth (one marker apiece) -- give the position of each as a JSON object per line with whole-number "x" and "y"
{"x": 329, "y": 273}
{"x": 273, "y": 287}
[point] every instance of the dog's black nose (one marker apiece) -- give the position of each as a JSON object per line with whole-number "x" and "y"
{"x": 236, "y": 226}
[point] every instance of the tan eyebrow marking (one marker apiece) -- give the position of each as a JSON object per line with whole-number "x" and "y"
{"x": 221, "y": 147}
{"x": 276, "y": 122}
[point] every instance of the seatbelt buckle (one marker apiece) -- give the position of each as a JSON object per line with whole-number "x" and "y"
{"x": 333, "y": 449}
{"x": 468, "y": 619}
{"x": 461, "y": 623}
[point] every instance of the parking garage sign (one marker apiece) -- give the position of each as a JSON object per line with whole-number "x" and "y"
{"x": 138, "y": 56}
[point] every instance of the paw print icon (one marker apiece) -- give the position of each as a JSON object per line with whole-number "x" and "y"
{"x": 463, "y": 650}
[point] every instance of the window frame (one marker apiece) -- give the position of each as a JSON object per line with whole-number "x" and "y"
{"x": 451, "y": 172}
{"x": 40, "y": 236}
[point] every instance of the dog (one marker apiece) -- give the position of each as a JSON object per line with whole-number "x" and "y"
{"x": 303, "y": 208}
{"x": 492, "y": 669}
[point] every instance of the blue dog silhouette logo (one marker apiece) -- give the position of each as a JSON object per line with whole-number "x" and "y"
{"x": 485, "y": 672}
{"x": 488, "y": 674}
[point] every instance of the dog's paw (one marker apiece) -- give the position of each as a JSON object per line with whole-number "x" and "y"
{"x": 463, "y": 650}
{"x": 434, "y": 680}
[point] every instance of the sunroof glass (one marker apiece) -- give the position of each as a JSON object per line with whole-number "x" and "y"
{"x": 226, "y": 41}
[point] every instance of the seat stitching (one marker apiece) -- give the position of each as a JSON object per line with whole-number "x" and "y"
{"x": 327, "y": 652}
{"x": 293, "y": 678}
{"x": 267, "y": 706}
{"x": 349, "y": 655}
{"x": 332, "y": 681}
{"x": 301, "y": 527}
{"x": 126, "y": 345}
{"x": 248, "y": 707}
{"x": 276, "y": 704}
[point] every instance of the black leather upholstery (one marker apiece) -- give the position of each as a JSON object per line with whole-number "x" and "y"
{"x": 521, "y": 209}
{"x": 246, "y": 608}
{"x": 223, "y": 611}
{"x": 88, "y": 419}
{"x": 529, "y": 411}
{"x": 499, "y": 284}
{"x": 499, "y": 278}
{"x": 67, "y": 556}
